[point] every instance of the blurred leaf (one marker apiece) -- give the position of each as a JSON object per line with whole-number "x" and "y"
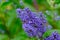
{"x": 15, "y": 1}
{"x": 57, "y": 6}
{"x": 2, "y": 29}
{"x": 41, "y": 1}
{"x": 3, "y": 37}
{"x": 22, "y": 36}
{"x": 57, "y": 1}
{"x": 13, "y": 23}
{"x": 2, "y": 26}
{"x": 6, "y": 6}
{"x": 2, "y": 16}
{"x": 12, "y": 15}
{"x": 30, "y": 2}
{"x": 58, "y": 24}
{"x": 15, "y": 27}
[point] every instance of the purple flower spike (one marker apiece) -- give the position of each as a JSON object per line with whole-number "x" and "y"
{"x": 32, "y": 24}
{"x": 53, "y": 36}
{"x": 29, "y": 30}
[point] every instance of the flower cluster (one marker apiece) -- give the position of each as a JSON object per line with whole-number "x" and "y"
{"x": 53, "y": 36}
{"x": 33, "y": 25}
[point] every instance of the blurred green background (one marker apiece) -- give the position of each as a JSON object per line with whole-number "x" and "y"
{"x": 11, "y": 26}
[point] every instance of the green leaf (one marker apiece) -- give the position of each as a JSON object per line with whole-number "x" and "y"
{"x": 57, "y": 6}
{"x": 41, "y": 1}
{"x": 2, "y": 26}
{"x": 3, "y": 37}
{"x": 57, "y": 1}
{"x": 5, "y": 4}
{"x": 58, "y": 24}
{"x": 15, "y": 27}
{"x": 15, "y": 1}
{"x": 11, "y": 16}
{"x": 13, "y": 23}
{"x": 22, "y": 36}
{"x": 30, "y": 2}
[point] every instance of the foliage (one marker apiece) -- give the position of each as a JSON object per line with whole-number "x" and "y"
{"x": 11, "y": 26}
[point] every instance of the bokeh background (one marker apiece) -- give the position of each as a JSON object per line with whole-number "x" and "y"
{"x": 11, "y": 26}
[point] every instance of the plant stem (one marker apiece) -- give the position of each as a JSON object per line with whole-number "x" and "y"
{"x": 35, "y": 5}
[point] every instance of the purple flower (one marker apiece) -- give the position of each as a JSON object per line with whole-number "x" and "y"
{"x": 25, "y": 15}
{"x": 29, "y": 30}
{"x": 33, "y": 25}
{"x": 53, "y": 36}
